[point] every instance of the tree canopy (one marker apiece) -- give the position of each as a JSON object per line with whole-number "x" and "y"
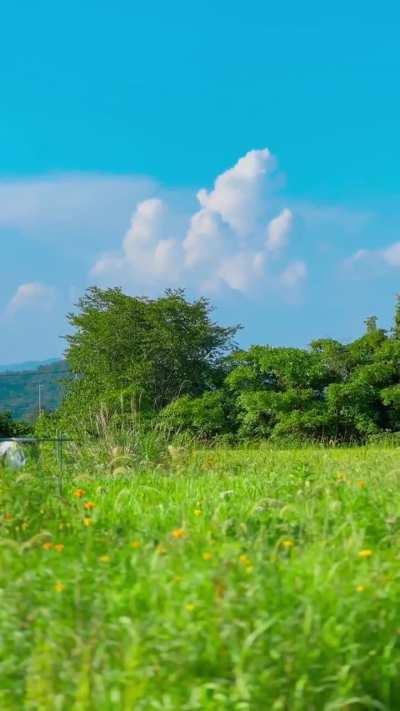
{"x": 167, "y": 359}
{"x": 126, "y": 349}
{"x": 330, "y": 391}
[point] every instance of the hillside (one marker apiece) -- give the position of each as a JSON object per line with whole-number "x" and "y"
{"x": 26, "y": 365}
{"x": 19, "y": 391}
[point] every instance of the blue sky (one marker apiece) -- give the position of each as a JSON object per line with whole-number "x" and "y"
{"x": 113, "y": 117}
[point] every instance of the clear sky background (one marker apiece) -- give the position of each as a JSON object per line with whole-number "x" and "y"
{"x": 115, "y": 114}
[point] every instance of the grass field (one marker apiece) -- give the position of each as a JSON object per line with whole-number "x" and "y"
{"x": 234, "y": 579}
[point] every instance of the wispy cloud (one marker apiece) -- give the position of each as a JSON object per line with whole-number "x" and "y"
{"x": 388, "y": 257}
{"x": 32, "y": 295}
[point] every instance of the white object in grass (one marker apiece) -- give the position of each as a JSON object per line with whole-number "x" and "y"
{"x": 11, "y": 455}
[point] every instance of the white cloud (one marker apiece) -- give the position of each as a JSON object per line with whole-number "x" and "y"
{"x": 31, "y": 295}
{"x": 238, "y": 192}
{"x": 149, "y": 253}
{"x": 387, "y": 257}
{"x": 293, "y": 275}
{"x": 204, "y": 240}
{"x": 241, "y": 270}
{"x": 222, "y": 243}
{"x": 391, "y": 255}
{"x": 278, "y": 231}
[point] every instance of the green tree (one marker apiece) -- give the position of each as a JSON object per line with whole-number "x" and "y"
{"x": 126, "y": 350}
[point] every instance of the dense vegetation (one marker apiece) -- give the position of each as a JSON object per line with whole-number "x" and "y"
{"x": 167, "y": 360}
{"x": 12, "y": 428}
{"x": 136, "y": 574}
{"x": 233, "y": 579}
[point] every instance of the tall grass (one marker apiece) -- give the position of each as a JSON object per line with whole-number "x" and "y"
{"x": 224, "y": 579}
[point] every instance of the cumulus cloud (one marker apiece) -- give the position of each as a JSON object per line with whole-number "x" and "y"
{"x": 240, "y": 270}
{"x": 222, "y": 244}
{"x": 149, "y": 252}
{"x": 278, "y": 231}
{"x": 31, "y": 295}
{"x": 238, "y": 192}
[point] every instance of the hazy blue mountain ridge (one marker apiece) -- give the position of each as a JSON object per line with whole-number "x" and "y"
{"x": 19, "y": 389}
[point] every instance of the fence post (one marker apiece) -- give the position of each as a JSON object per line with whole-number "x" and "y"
{"x": 59, "y": 448}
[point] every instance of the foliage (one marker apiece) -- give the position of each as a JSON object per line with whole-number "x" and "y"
{"x": 204, "y": 417}
{"x": 137, "y": 354}
{"x": 330, "y": 392}
{"x": 246, "y": 579}
{"x": 135, "y": 360}
{"x": 11, "y": 428}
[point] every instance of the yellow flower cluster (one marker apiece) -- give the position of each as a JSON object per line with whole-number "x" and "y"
{"x": 245, "y": 561}
{"x": 48, "y": 546}
{"x": 365, "y": 553}
{"x": 287, "y": 543}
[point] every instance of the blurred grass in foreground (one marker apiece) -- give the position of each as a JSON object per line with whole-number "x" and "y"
{"x": 225, "y": 579}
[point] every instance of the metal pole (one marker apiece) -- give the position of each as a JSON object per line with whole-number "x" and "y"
{"x": 40, "y": 399}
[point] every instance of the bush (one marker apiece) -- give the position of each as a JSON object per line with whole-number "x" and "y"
{"x": 203, "y": 417}
{"x": 389, "y": 439}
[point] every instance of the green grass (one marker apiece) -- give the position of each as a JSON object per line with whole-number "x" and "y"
{"x": 261, "y": 601}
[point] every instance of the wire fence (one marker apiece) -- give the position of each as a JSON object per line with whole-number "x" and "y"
{"x": 33, "y": 441}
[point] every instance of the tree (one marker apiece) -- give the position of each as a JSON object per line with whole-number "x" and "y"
{"x": 278, "y": 390}
{"x": 126, "y": 350}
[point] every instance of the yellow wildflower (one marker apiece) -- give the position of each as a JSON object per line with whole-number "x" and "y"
{"x": 287, "y": 543}
{"x": 244, "y": 560}
{"x": 365, "y": 553}
{"x": 361, "y": 483}
{"x": 207, "y": 555}
{"x": 78, "y": 493}
{"x": 104, "y": 558}
{"x": 47, "y": 546}
{"x": 178, "y": 533}
{"x": 136, "y": 544}
{"x": 197, "y": 512}
{"x": 190, "y": 606}
{"x": 89, "y": 505}
{"x": 360, "y": 588}
{"x": 59, "y": 547}
{"x": 87, "y": 521}
{"x": 59, "y": 586}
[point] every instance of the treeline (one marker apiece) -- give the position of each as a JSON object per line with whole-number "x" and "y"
{"x": 12, "y": 428}
{"x": 166, "y": 360}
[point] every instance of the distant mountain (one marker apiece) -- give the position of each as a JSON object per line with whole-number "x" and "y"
{"x": 19, "y": 389}
{"x": 27, "y": 365}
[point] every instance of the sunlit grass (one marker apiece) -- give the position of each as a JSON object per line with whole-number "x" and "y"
{"x": 236, "y": 579}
